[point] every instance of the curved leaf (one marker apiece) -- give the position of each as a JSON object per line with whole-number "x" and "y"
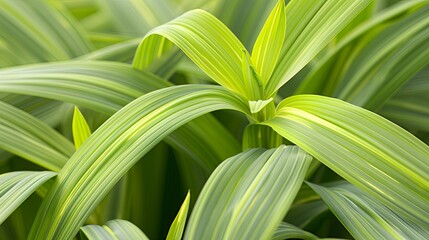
{"x": 367, "y": 150}
{"x": 205, "y": 40}
{"x": 15, "y": 187}
{"x": 287, "y": 231}
{"x": 365, "y": 217}
{"x": 103, "y": 87}
{"x": 248, "y": 194}
{"x": 33, "y": 31}
{"x": 38, "y": 142}
{"x": 115, "y": 230}
{"x": 115, "y": 147}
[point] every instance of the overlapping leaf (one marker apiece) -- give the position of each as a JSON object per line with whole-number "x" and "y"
{"x": 38, "y": 142}
{"x": 15, "y": 187}
{"x": 365, "y": 217}
{"x": 287, "y": 231}
{"x": 311, "y": 25}
{"x": 205, "y": 40}
{"x": 248, "y": 194}
{"x": 115, "y": 230}
{"x": 101, "y": 86}
{"x": 362, "y": 147}
{"x": 115, "y": 147}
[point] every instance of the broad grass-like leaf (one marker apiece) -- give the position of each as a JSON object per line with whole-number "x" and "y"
{"x": 244, "y": 17}
{"x": 409, "y": 106}
{"x": 15, "y": 187}
{"x": 205, "y": 40}
{"x": 178, "y": 225}
{"x": 365, "y": 217}
{"x": 367, "y": 150}
{"x": 248, "y": 194}
{"x": 269, "y": 42}
{"x": 114, "y": 230}
{"x": 325, "y": 76}
{"x": 391, "y": 58}
{"x": 80, "y": 128}
{"x": 311, "y": 25}
{"x": 38, "y": 142}
{"x": 287, "y": 231}
{"x": 115, "y": 147}
{"x": 33, "y": 31}
{"x": 101, "y": 86}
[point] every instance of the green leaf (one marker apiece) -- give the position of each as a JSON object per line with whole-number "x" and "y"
{"x": 247, "y": 196}
{"x": 256, "y": 106}
{"x": 268, "y": 45}
{"x": 106, "y": 87}
{"x": 375, "y": 59}
{"x": 408, "y": 107}
{"x": 114, "y": 229}
{"x": 115, "y": 147}
{"x": 34, "y": 31}
{"x": 383, "y": 65}
{"x": 367, "y": 150}
{"x": 245, "y": 18}
{"x": 311, "y": 26}
{"x": 287, "y": 231}
{"x": 15, "y": 187}
{"x": 38, "y": 142}
{"x": 365, "y": 217}
{"x": 205, "y": 40}
{"x": 178, "y": 225}
{"x": 80, "y": 128}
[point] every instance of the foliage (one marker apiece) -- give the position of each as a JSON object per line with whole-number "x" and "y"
{"x": 301, "y": 120}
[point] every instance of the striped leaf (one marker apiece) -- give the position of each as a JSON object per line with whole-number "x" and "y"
{"x": 205, "y": 40}
{"x": 367, "y": 150}
{"x": 38, "y": 142}
{"x": 287, "y": 231}
{"x": 114, "y": 230}
{"x": 115, "y": 147}
{"x": 365, "y": 217}
{"x": 103, "y": 87}
{"x": 34, "y": 31}
{"x": 15, "y": 187}
{"x": 311, "y": 25}
{"x": 268, "y": 45}
{"x": 247, "y": 196}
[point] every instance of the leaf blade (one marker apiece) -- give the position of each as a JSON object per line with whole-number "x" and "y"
{"x": 362, "y": 147}
{"x": 178, "y": 225}
{"x": 267, "y": 47}
{"x": 16, "y": 187}
{"x": 248, "y": 194}
{"x": 80, "y": 128}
